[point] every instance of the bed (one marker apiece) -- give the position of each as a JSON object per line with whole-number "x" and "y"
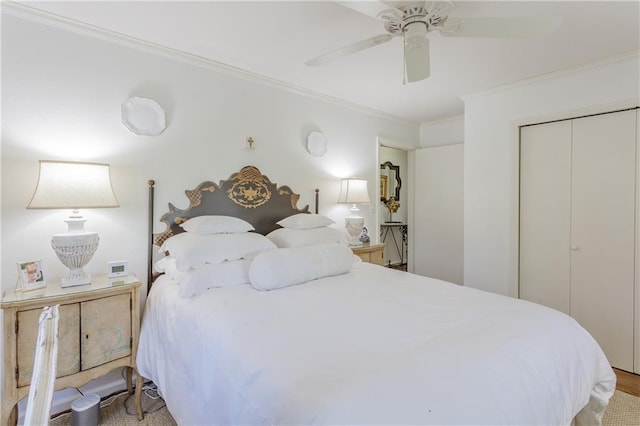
{"x": 356, "y": 344}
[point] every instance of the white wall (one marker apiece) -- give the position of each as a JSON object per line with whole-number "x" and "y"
{"x": 491, "y": 157}
{"x": 61, "y": 97}
{"x": 438, "y": 224}
{"x": 439, "y": 212}
{"x": 447, "y": 131}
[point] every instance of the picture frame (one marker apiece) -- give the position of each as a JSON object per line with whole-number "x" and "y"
{"x": 31, "y": 275}
{"x": 383, "y": 187}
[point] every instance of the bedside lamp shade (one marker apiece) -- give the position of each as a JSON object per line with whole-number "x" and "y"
{"x": 354, "y": 191}
{"x": 70, "y": 185}
{"x": 63, "y": 184}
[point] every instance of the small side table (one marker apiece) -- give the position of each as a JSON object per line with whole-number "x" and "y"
{"x": 97, "y": 332}
{"x": 373, "y": 253}
{"x": 399, "y": 242}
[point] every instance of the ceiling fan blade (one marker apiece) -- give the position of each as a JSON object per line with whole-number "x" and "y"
{"x": 438, "y": 7}
{"x": 348, "y": 50}
{"x": 515, "y": 27}
{"x": 416, "y": 53}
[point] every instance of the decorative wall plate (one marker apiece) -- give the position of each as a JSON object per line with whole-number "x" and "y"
{"x": 316, "y": 144}
{"x": 143, "y": 116}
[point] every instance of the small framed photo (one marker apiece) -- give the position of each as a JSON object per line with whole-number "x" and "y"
{"x": 31, "y": 275}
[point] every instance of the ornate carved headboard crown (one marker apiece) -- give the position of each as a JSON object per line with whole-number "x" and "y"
{"x": 247, "y": 194}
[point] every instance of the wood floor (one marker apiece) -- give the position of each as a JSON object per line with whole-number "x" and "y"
{"x": 628, "y": 382}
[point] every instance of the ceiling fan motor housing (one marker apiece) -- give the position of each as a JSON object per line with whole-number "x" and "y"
{"x": 433, "y": 17}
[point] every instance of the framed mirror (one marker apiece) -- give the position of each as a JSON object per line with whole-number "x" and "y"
{"x": 390, "y": 182}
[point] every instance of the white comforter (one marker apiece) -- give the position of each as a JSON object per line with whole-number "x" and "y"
{"x": 373, "y": 346}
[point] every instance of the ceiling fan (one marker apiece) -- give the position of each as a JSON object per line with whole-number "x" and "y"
{"x": 414, "y": 20}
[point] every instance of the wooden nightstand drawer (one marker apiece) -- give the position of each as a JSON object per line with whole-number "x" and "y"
{"x": 373, "y": 253}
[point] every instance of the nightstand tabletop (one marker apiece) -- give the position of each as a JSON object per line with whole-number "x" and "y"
{"x": 366, "y": 248}
{"x": 54, "y": 290}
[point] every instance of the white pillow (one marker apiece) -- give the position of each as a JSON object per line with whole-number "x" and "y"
{"x": 213, "y": 224}
{"x": 305, "y": 221}
{"x": 194, "y": 250}
{"x": 280, "y": 268}
{"x": 224, "y": 274}
{"x": 166, "y": 265}
{"x": 286, "y": 237}
{"x": 196, "y": 281}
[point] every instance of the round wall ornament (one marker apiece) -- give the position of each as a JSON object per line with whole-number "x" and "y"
{"x": 143, "y": 116}
{"x": 316, "y": 144}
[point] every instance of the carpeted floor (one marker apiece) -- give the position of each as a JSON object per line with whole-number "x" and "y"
{"x": 623, "y": 410}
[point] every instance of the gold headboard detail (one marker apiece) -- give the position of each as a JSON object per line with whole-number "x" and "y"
{"x": 250, "y": 189}
{"x": 195, "y": 196}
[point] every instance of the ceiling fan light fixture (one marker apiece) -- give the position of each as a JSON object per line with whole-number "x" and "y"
{"x": 416, "y": 51}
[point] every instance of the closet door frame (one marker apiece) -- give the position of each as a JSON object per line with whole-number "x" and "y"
{"x": 515, "y": 197}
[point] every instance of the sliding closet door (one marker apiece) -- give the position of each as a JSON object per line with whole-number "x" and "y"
{"x": 545, "y": 214}
{"x": 602, "y": 231}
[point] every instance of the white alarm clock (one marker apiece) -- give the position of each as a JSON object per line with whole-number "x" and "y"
{"x": 117, "y": 268}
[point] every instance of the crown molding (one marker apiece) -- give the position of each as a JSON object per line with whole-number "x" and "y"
{"x": 555, "y": 74}
{"x": 443, "y": 120}
{"x": 30, "y": 13}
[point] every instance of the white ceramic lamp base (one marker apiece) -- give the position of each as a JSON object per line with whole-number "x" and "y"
{"x": 75, "y": 251}
{"x": 354, "y": 226}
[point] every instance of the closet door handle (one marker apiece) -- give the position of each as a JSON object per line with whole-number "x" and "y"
{"x": 575, "y": 248}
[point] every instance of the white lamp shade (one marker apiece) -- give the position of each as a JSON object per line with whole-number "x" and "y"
{"x": 65, "y": 184}
{"x": 354, "y": 191}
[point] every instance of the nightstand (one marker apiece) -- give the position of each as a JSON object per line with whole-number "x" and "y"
{"x": 373, "y": 253}
{"x": 97, "y": 332}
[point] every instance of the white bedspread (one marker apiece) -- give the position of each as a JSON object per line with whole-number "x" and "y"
{"x": 373, "y": 346}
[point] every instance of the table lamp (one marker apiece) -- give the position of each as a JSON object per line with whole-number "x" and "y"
{"x": 354, "y": 191}
{"x": 72, "y": 185}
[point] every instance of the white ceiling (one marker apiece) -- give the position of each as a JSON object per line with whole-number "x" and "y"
{"x": 275, "y": 38}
